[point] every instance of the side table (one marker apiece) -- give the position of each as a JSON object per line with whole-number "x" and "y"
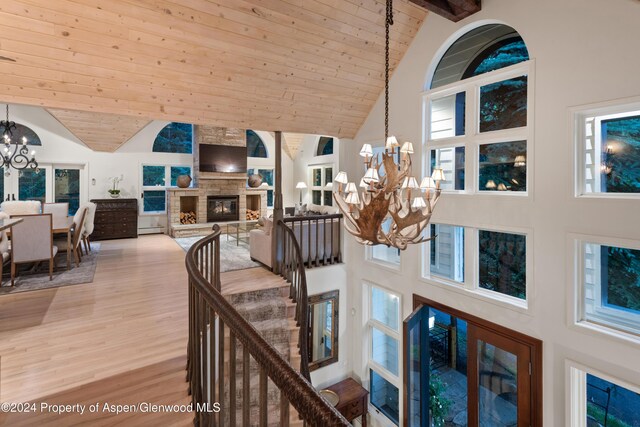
{"x": 353, "y": 400}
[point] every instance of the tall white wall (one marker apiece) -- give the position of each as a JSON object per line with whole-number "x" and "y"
{"x": 585, "y": 51}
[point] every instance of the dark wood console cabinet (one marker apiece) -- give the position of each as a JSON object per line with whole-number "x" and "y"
{"x": 115, "y": 219}
{"x": 353, "y": 400}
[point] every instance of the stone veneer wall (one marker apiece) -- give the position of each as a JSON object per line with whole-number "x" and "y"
{"x": 210, "y": 183}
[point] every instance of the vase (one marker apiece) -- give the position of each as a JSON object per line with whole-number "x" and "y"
{"x": 254, "y": 181}
{"x": 114, "y": 195}
{"x": 183, "y": 181}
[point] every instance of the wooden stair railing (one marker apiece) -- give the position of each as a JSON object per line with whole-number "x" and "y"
{"x": 291, "y": 268}
{"x": 307, "y": 230}
{"x": 210, "y": 389}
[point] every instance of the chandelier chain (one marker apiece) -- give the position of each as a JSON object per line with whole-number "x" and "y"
{"x": 387, "y": 24}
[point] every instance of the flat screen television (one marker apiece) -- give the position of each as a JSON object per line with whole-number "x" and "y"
{"x": 222, "y": 158}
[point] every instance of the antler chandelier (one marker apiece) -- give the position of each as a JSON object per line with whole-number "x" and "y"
{"x": 15, "y": 154}
{"x": 389, "y": 191}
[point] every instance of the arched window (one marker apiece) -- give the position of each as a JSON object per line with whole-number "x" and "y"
{"x": 325, "y": 146}
{"x": 174, "y": 138}
{"x": 478, "y": 132}
{"x": 21, "y": 130}
{"x": 255, "y": 145}
{"x": 481, "y": 50}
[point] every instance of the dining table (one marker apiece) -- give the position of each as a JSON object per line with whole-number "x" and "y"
{"x": 7, "y": 223}
{"x": 64, "y": 225}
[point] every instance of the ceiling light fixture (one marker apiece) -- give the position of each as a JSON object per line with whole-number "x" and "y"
{"x": 391, "y": 209}
{"x": 15, "y": 154}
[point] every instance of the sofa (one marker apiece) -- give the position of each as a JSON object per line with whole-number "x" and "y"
{"x": 317, "y": 245}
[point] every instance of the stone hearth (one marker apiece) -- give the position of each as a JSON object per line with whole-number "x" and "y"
{"x": 211, "y": 184}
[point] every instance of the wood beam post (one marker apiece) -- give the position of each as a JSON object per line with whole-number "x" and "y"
{"x": 278, "y": 214}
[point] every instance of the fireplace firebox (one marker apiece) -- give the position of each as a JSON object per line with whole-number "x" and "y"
{"x": 223, "y": 208}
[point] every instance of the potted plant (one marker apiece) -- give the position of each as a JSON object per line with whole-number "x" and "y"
{"x": 114, "y": 191}
{"x": 438, "y": 404}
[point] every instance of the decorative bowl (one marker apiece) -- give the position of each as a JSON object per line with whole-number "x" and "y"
{"x": 330, "y": 396}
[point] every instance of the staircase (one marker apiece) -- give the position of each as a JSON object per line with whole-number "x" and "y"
{"x": 271, "y": 312}
{"x": 245, "y": 350}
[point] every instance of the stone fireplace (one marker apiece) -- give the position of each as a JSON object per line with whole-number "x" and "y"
{"x": 226, "y": 193}
{"x": 223, "y": 208}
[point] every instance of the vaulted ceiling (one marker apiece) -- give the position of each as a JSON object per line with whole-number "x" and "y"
{"x": 302, "y": 66}
{"x": 100, "y": 131}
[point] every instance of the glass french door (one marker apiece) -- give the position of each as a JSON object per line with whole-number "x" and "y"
{"x": 47, "y": 184}
{"x": 500, "y": 380}
{"x": 460, "y": 371}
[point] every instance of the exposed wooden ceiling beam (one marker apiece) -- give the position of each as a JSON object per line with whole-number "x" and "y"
{"x": 453, "y": 10}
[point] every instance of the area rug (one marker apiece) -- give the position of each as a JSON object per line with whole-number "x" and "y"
{"x": 232, "y": 257}
{"x": 32, "y": 281}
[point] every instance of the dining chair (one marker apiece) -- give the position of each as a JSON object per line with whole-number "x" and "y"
{"x": 76, "y": 238}
{"x": 4, "y": 246}
{"x": 59, "y": 211}
{"x": 88, "y": 224}
{"x": 21, "y": 207}
{"x": 32, "y": 241}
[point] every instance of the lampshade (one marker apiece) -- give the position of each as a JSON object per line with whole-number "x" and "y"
{"x": 418, "y": 203}
{"x": 427, "y": 182}
{"x": 366, "y": 150}
{"x": 438, "y": 175}
{"x": 341, "y": 178}
{"x": 301, "y": 185}
{"x": 410, "y": 182}
{"x": 351, "y": 188}
{"x": 371, "y": 175}
{"x": 392, "y": 142}
{"x": 502, "y": 187}
{"x": 490, "y": 184}
{"x": 353, "y": 198}
{"x": 363, "y": 184}
{"x": 407, "y": 148}
{"x": 329, "y": 186}
{"x": 520, "y": 161}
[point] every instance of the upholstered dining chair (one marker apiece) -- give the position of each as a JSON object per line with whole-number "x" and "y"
{"x": 88, "y": 224}
{"x": 32, "y": 241}
{"x": 4, "y": 246}
{"x": 21, "y": 207}
{"x": 59, "y": 211}
{"x": 78, "y": 226}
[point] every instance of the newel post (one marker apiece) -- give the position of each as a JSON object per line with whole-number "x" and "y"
{"x": 276, "y": 241}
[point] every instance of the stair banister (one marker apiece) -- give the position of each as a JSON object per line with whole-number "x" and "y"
{"x": 209, "y": 314}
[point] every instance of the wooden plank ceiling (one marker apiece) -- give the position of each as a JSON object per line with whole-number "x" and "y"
{"x": 302, "y": 66}
{"x": 100, "y": 131}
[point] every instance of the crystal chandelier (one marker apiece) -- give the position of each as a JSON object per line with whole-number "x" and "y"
{"x": 15, "y": 154}
{"x": 391, "y": 208}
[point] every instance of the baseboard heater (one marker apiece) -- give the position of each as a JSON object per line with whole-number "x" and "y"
{"x": 151, "y": 230}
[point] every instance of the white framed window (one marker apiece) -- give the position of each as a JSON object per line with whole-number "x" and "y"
{"x": 320, "y": 184}
{"x": 155, "y": 179}
{"x": 493, "y": 263}
{"x": 596, "y": 398}
{"x": 383, "y": 332}
{"x": 607, "y": 283}
{"x": 490, "y": 117}
{"x": 386, "y": 256}
{"x": 607, "y": 141}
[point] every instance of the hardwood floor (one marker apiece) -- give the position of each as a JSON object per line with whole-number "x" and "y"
{"x": 120, "y": 339}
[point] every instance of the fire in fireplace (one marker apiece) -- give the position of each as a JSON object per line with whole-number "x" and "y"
{"x": 223, "y": 208}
